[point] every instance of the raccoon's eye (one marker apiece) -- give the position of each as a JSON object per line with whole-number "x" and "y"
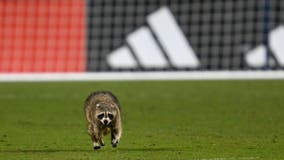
{"x": 110, "y": 116}
{"x": 101, "y": 116}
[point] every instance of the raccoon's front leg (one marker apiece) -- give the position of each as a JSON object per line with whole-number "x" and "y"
{"x": 92, "y": 130}
{"x": 115, "y": 136}
{"x": 116, "y": 132}
{"x": 101, "y": 141}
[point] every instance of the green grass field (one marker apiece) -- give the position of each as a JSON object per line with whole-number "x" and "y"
{"x": 180, "y": 120}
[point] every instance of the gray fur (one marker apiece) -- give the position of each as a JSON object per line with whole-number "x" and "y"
{"x": 103, "y": 114}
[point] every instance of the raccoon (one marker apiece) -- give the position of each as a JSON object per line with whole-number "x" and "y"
{"x": 103, "y": 114}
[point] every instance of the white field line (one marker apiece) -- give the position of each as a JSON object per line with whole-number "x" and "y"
{"x": 132, "y": 76}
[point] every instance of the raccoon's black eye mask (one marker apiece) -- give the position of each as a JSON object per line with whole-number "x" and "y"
{"x": 101, "y": 116}
{"x": 110, "y": 116}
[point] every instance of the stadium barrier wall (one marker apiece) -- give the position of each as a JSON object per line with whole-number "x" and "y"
{"x": 143, "y": 40}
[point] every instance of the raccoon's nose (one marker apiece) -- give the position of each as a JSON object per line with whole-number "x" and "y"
{"x": 105, "y": 121}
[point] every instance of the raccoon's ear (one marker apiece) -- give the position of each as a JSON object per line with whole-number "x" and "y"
{"x": 98, "y": 105}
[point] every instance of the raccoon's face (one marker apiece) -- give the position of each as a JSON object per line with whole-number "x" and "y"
{"x": 105, "y": 114}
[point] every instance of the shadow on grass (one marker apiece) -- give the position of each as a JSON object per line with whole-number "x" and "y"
{"x": 156, "y": 149}
{"x": 44, "y": 150}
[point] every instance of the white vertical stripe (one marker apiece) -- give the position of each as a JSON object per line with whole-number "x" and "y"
{"x": 121, "y": 58}
{"x": 276, "y": 42}
{"x": 256, "y": 57}
{"x": 172, "y": 39}
{"x": 146, "y": 49}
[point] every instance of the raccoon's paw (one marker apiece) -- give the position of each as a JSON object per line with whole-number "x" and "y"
{"x": 96, "y": 146}
{"x": 114, "y": 143}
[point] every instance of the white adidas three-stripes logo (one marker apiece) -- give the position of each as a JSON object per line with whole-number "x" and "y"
{"x": 149, "y": 52}
{"x": 171, "y": 41}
